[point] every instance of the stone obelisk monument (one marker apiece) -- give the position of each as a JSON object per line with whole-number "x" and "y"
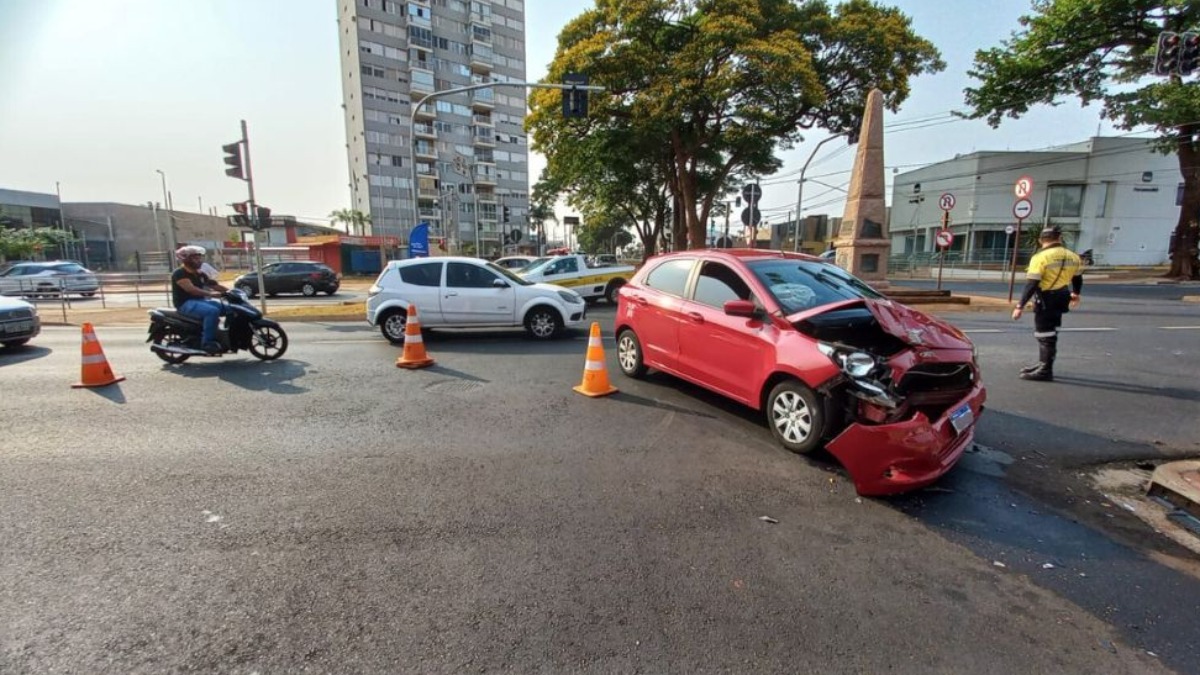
{"x": 862, "y": 240}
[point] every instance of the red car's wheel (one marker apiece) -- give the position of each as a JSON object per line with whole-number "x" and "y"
{"x": 795, "y": 416}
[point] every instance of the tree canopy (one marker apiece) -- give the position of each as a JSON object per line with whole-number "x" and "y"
{"x": 701, "y": 94}
{"x": 1102, "y": 52}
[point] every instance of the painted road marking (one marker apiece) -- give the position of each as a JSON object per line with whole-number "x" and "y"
{"x": 1179, "y": 327}
{"x": 984, "y": 330}
{"x": 1086, "y": 330}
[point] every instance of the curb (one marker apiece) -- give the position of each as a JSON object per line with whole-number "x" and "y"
{"x": 1179, "y": 484}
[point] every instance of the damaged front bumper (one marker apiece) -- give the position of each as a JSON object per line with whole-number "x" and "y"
{"x": 905, "y": 455}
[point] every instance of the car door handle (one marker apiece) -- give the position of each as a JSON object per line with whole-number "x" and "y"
{"x": 452, "y": 295}
{"x": 639, "y": 300}
{"x": 695, "y": 316}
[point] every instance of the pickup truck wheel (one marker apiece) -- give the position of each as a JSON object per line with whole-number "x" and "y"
{"x": 543, "y": 323}
{"x": 610, "y": 293}
{"x": 629, "y": 354}
{"x": 392, "y": 325}
{"x": 796, "y": 417}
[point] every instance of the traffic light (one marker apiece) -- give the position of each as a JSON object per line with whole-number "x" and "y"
{"x": 262, "y": 218}
{"x": 506, "y": 213}
{"x": 1166, "y": 60}
{"x": 575, "y": 100}
{"x": 233, "y": 160}
{"x": 1189, "y": 54}
{"x": 240, "y": 219}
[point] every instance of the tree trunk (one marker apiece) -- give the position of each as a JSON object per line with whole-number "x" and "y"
{"x": 1185, "y": 250}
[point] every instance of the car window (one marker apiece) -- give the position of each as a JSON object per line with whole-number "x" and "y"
{"x": 510, "y": 275}
{"x": 268, "y": 269}
{"x": 798, "y": 285}
{"x": 564, "y": 266}
{"x": 70, "y": 268}
{"x": 466, "y": 275}
{"x": 422, "y": 274}
{"x": 25, "y": 270}
{"x": 718, "y": 284}
{"x": 670, "y": 276}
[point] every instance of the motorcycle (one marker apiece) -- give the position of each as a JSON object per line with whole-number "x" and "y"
{"x": 175, "y": 337}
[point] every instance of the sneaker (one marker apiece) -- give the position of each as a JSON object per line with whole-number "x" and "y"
{"x": 212, "y": 347}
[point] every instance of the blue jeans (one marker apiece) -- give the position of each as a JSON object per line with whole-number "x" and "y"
{"x": 209, "y": 312}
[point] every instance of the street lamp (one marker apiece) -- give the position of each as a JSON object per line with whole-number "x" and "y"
{"x": 170, "y": 211}
{"x": 800, "y": 190}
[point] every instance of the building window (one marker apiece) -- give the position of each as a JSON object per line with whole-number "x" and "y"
{"x": 1064, "y": 201}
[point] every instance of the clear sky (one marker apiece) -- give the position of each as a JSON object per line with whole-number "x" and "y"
{"x": 99, "y": 94}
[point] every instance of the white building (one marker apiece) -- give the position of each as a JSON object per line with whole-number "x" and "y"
{"x": 1116, "y": 196}
{"x": 468, "y": 151}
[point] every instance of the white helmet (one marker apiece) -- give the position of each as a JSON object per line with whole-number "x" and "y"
{"x": 185, "y": 251}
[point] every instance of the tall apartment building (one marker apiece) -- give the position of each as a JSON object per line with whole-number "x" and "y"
{"x": 468, "y": 151}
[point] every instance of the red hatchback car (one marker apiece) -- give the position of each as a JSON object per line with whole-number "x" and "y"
{"x": 891, "y": 392}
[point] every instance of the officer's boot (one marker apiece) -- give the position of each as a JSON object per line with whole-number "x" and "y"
{"x": 1044, "y": 372}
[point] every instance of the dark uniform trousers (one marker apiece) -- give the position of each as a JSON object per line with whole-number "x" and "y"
{"x": 1048, "y": 310}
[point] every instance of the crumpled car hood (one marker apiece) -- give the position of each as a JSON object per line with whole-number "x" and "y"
{"x": 912, "y": 326}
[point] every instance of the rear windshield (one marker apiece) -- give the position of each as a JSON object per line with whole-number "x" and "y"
{"x": 798, "y": 285}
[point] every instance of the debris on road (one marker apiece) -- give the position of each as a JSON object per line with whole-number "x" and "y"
{"x": 997, "y": 563}
{"x": 768, "y": 519}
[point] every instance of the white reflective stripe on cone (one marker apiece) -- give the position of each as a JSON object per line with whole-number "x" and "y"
{"x": 595, "y": 342}
{"x": 594, "y": 365}
{"x": 90, "y": 337}
{"x": 413, "y": 338}
{"x": 94, "y": 358}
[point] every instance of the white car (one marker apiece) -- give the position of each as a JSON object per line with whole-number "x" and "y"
{"x": 32, "y": 279}
{"x": 459, "y": 292}
{"x": 19, "y": 322}
{"x": 515, "y": 262}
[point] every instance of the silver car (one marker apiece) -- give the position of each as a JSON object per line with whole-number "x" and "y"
{"x": 32, "y": 279}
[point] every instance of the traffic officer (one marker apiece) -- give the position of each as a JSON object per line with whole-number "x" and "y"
{"x": 1053, "y": 282}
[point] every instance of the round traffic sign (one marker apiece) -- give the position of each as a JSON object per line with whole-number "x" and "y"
{"x": 751, "y": 216}
{"x": 752, "y": 192}
{"x": 1009, "y": 229}
{"x": 946, "y": 201}
{"x": 944, "y": 238}
{"x": 1023, "y": 187}
{"x": 1022, "y": 208}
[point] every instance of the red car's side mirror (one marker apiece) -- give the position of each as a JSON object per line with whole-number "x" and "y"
{"x": 741, "y": 308}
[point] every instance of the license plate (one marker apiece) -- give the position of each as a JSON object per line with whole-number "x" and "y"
{"x": 17, "y": 327}
{"x": 962, "y": 418}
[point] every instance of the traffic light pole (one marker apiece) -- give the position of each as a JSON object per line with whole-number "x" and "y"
{"x": 412, "y": 121}
{"x": 252, "y": 211}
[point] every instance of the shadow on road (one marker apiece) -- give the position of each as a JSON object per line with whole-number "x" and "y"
{"x": 271, "y": 376}
{"x": 14, "y": 355}
{"x": 1172, "y": 393}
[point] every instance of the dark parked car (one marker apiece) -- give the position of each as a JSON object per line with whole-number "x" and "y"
{"x": 296, "y": 276}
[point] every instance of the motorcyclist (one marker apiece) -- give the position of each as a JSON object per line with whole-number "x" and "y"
{"x": 193, "y": 294}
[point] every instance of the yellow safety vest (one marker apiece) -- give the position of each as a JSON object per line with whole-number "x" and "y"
{"x": 1053, "y": 267}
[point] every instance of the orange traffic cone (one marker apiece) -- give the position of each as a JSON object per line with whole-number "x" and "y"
{"x": 96, "y": 372}
{"x": 595, "y": 373}
{"x": 414, "y": 347}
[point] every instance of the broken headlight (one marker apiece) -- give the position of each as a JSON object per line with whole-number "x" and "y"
{"x": 855, "y": 363}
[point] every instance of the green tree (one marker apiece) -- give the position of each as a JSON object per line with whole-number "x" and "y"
{"x": 18, "y": 243}
{"x": 700, "y": 94}
{"x": 356, "y": 221}
{"x": 1102, "y": 52}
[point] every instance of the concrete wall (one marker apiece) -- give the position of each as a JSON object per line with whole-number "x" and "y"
{"x": 134, "y": 234}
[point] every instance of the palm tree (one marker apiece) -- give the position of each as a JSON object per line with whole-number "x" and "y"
{"x": 356, "y": 221}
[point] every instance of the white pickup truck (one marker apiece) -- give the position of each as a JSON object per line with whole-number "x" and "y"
{"x": 573, "y": 271}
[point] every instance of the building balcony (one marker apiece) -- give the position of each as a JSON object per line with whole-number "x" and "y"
{"x": 425, "y": 150}
{"x": 481, "y": 58}
{"x": 424, "y": 129}
{"x": 484, "y": 177}
{"x": 483, "y": 99}
{"x": 485, "y": 136}
{"x": 481, "y": 35}
{"x": 482, "y": 119}
{"x": 481, "y": 18}
{"x": 425, "y": 112}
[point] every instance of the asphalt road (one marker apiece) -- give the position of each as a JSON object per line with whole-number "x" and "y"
{"x": 330, "y": 512}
